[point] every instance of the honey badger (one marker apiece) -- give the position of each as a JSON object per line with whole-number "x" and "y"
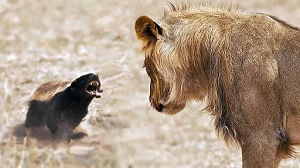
{"x": 61, "y": 106}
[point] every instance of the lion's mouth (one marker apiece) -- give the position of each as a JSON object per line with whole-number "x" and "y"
{"x": 93, "y": 89}
{"x": 170, "y": 108}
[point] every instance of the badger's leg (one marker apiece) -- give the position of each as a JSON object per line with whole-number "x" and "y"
{"x": 36, "y": 115}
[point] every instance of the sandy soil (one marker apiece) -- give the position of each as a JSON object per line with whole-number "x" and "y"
{"x": 63, "y": 39}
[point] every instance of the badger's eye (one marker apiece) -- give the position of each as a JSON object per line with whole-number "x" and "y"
{"x": 144, "y": 66}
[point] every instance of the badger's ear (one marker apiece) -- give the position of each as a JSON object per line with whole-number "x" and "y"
{"x": 147, "y": 30}
{"x": 73, "y": 84}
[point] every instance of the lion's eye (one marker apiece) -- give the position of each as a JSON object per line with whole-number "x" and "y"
{"x": 144, "y": 66}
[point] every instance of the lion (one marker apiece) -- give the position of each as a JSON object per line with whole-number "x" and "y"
{"x": 246, "y": 65}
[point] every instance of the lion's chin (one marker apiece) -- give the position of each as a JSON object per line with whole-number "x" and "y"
{"x": 173, "y": 109}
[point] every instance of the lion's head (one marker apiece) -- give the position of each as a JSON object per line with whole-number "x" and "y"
{"x": 172, "y": 76}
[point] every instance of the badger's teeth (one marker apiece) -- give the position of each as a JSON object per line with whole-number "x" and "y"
{"x": 93, "y": 86}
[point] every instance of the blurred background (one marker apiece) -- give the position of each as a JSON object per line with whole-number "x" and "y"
{"x": 45, "y": 40}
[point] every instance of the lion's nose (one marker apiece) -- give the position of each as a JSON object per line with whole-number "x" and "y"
{"x": 160, "y": 107}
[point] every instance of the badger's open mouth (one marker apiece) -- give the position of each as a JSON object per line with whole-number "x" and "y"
{"x": 93, "y": 89}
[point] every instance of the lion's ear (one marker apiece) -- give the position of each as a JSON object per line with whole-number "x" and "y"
{"x": 146, "y": 29}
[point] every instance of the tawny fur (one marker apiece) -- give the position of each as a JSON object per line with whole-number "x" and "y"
{"x": 47, "y": 90}
{"x": 245, "y": 64}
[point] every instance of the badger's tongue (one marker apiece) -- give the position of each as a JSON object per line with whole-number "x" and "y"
{"x": 97, "y": 94}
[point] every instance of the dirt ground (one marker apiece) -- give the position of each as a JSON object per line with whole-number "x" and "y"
{"x": 63, "y": 39}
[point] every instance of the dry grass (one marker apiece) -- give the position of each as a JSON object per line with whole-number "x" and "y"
{"x": 63, "y": 39}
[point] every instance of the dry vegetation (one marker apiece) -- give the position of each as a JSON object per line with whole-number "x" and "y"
{"x": 63, "y": 39}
